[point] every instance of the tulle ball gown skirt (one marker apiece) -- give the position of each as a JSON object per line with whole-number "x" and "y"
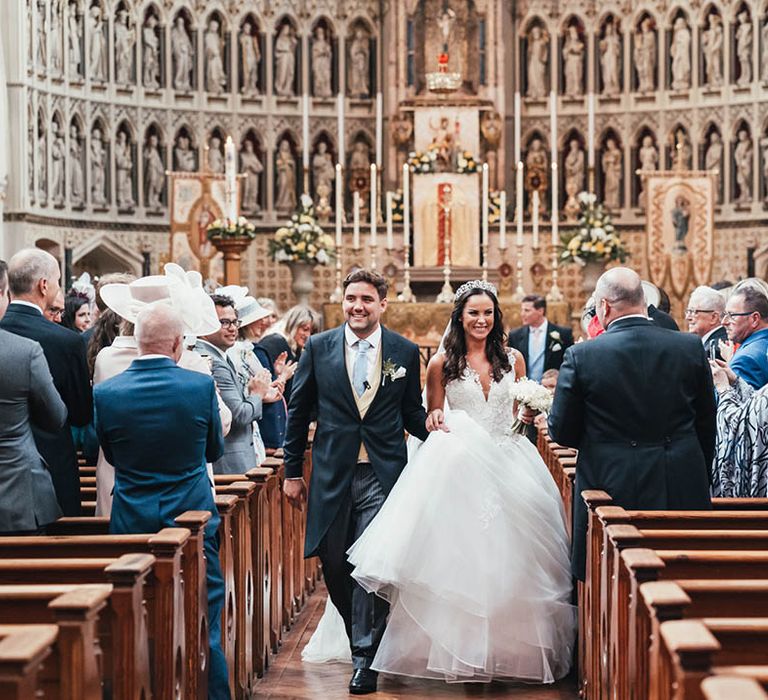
{"x": 472, "y": 552}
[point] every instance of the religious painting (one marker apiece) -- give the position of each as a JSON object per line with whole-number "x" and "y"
{"x": 680, "y": 226}
{"x": 449, "y": 129}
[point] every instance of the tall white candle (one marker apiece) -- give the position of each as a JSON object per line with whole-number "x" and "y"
{"x": 591, "y": 130}
{"x": 390, "y": 233}
{"x": 553, "y": 125}
{"x": 535, "y": 218}
{"x": 339, "y": 208}
{"x": 503, "y": 221}
{"x": 305, "y": 130}
{"x": 230, "y": 171}
{"x": 519, "y": 202}
{"x": 406, "y": 205}
{"x": 340, "y": 125}
{"x": 518, "y": 127}
{"x": 555, "y": 212}
{"x": 374, "y": 213}
{"x": 484, "y": 234}
{"x": 379, "y": 128}
{"x": 356, "y": 220}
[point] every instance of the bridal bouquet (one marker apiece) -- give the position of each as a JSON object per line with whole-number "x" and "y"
{"x": 531, "y": 395}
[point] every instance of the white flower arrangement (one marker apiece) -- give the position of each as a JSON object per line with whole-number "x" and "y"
{"x": 594, "y": 238}
{"x": 302, "y": 239}
{"x": 529, "y": 394}
{"x": 226, "y": 228}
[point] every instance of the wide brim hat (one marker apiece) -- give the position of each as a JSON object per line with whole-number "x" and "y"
{"x": 129, "y": 300}
{"x": 651, "y": 292}
{"x": 249, "y": 311}
{"x": 195, "y": 305}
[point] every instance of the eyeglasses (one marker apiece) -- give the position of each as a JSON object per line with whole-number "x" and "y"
{"x": 227, "y": 323}
{"x": 693, "y": 312}
{"x": 730, "y": 315}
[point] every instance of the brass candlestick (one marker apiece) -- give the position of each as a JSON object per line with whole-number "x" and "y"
{"x": 338, "y": 293}
{"x": 519, "y": 291}
{"x": 554, "y": 293}
{"x": 446, "y": 293}
{"x": 407, "y": 294}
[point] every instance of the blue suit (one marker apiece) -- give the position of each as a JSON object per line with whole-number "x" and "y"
{"x": 750, "y": 361}
{"x": 158, "y": 424}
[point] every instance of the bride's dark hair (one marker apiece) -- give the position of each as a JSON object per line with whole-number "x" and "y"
{"x": 456, "y": 343}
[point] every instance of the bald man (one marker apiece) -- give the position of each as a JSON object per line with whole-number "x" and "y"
{"x": 639, "y": 405}
{"x": 158, "y": 424}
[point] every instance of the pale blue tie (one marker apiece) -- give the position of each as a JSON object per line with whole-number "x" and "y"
{"x": 360, "y": 370}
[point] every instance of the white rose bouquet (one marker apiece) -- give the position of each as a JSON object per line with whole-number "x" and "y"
{"x": 529, "y": 394}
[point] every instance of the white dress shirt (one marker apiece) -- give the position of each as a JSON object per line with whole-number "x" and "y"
{"x": 350, "y": 351}
{"x": 707, "y": 336}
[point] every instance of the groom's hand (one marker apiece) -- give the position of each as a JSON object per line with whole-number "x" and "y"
{"x": 436, "y": 421}
{"x": 296, "y": 491}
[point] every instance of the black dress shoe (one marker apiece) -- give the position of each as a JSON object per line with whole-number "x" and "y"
{"x": 363, "y": 681}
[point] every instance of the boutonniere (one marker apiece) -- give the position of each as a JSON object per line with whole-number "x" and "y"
{"x": 391, "y": 371}
{"x": 556, "y": 347}
{"x": 555, "y": 335}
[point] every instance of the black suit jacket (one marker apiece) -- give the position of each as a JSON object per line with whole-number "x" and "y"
{"x": 554, "y": 350}
{"x": 639, "y": 404}
{"x": 714, "y": 342}
{"x": 322, "y": 384}
{"x": 65, "y": 353}
{"x": 662, "y": 318}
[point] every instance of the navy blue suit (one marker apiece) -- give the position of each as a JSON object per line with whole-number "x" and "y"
{"x": 158, "y": 424}
{"x": 64, "y": 352}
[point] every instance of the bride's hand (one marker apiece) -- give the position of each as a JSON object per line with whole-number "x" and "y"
{"x": 436, "y": 421}
{"x": 526, "y": 415}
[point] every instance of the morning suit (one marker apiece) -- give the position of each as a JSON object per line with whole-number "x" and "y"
{"x": 712, "y": 343}
{"x": 27, "y": 397}
{"x": 557, "y": 340}
{"x": 662, "y": 318}
{"x": 750, "y": 361}
{"x": 158, "y": 424}
{"x": 239, "y": 453}
{"x": 358, "y": 454}
{"x": 639, "y": 404}
{"x": 65, "y": 353}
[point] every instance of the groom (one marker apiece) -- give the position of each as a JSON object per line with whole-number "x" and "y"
{"x": 362, "y": 382}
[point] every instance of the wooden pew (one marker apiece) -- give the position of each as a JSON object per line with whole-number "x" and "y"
{"x": 226, "y": 506}
{"x": 23, "y": 650}
{"x": 730, "y": 687}
{"x": 274, "y": 495}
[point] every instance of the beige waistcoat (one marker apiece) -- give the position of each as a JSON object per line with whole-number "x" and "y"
{"x": 364, "y": 402}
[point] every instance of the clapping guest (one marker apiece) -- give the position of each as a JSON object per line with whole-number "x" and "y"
{"x": 746, "y": 322}
{"x": 704, "y": 316}
{"x": 56, "y": 309}
{"x": 77, "y": 312}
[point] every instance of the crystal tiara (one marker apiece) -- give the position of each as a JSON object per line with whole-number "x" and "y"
{"x": 475, "y": 284}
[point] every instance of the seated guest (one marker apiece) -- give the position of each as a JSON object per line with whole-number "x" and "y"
{"x": 33, "y": 277}
{"x": 704, "y": 316}
{"x": 541, "y": 342}
{"x": 746, "y": 322}
{"x": 245, "y": 403}
{"x": 54, "y": 311}
{"x": 158, "y": 424}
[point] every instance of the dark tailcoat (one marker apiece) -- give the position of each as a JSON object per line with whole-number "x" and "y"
{"x": 559, "y": 339}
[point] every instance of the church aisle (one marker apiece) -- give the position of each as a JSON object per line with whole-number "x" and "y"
{"x": 288, "y": 678}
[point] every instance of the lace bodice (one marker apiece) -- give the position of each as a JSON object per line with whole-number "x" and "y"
{"x": 495, "y": 414}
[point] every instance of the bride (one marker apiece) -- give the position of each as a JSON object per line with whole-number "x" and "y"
{"x": 470, "y": 548}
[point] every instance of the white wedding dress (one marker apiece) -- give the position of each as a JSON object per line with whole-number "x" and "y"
{"x": 472, "y": 552}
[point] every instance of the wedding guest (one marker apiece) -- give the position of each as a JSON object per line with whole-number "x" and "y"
{"x": 158, "y": 424}
{"x": 549, "y": 379}
{"x": 704, "y": 316}
{"x": 542, "y": 343}
{"x": 77, "y": 312}
{"x": 746, "y": 322}
{"x": 274, "y": 315}
{"x": 33, "y": 277}
{"x": 639, "y": 405}
{"x": 54, "y": 311}
{"x": 658, "y": 306}
{"x": 108, "y": 329}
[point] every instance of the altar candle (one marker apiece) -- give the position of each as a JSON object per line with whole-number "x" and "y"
{"x": 339, "y": 208}
{"x": 519, "y": 202}
{"x": 305, "y": 130}
{"x": 503, "y": 221}
{"x": 555, "y": 213}
{"x": 484, "y": 238}
{"x": 406, "y": 205}
{"x": 591, "y": 130}
{"x": 340, "y": 125}
{"x": 553, "y": 125}
{"x": 373, "y": 204}
{"x": 356, "y": 220}
{"x": 535, "y": 217}
{"x": 230, "y": 170}
{"x": 379, "y": 128}
{"x": 390, "y": 233}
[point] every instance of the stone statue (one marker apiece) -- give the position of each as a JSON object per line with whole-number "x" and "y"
{"x": 98, "y": 167}
{"x": 58, "y": 156}
{"x": 681, "y": 55}
{"x": 185, "y": 156}
{"x": 323, "y": 170}
{"x": 491, "y": 127}
{"x": 57, "y": 47}
{"x": 538, "y": 58}
{"x": 42, "y": 163}
{"x": 742, "y": 156}
{"x": 359, "y": 64}
{"x": 215, "y": 156}
{"x": 682, "y": 151}
{"x": 712, "y": 46}
{"x": 764, "y": 60}
{"x": 215, "y": 77}
{"x": 610, "y": 57}
{"x": 250, "y": 53}
{"x": 322, "y": 55}
{"x": 42, "y": 34}
{"x": 97, "y": 55}
{"x": 536, "y": 173}
{"x": 124, "y": 41}
{"x": 446, "y": 25}
{"x": 285, "y": 61}
{"x": 154, "y": 174}
{"x": 286, "y": 178}
{"x": 713, "y": 160}
{"x": 252, "y": 167}
{"x": 151, "y": 54}
{"x": 744, "y": 49}
{"x": 183, "y": 55}
{"x": 124, "y": 168}
{"x": 74, "y": 42}
{"x": 360, "y": 159}
{"x": 648, "y": 156}
{"x": 611, "y": 162}
{"x": 76, "y": 179}
{"x": 573, "y": 53}
{"x": 574, "y": 179}
{"x": 645, "y": 56}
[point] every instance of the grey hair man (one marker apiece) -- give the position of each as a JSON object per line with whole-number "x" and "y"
{"x": 33, "y": 278}
{"x": 704, "y": 316}
{"x": 639, "y": 404}
{"x": 160, "y": 331}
